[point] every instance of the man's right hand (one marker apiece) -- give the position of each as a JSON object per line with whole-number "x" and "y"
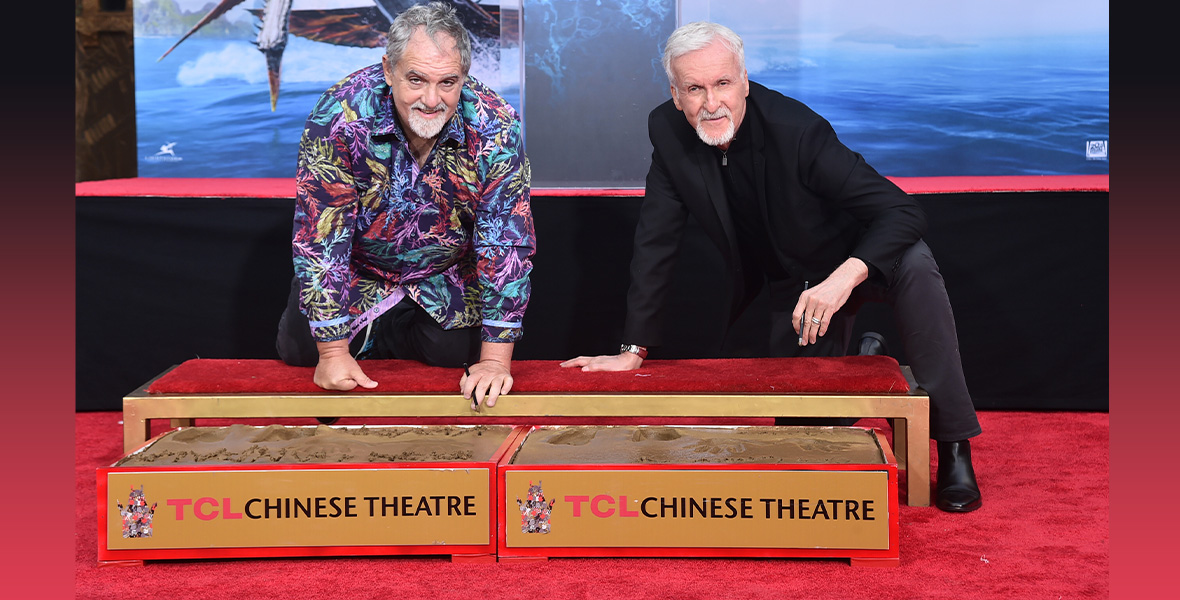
{"x": 338, "y": 370}
{"x": 624, "y": 361}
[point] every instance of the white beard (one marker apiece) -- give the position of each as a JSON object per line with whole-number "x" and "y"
{"x": 426, "y": 128}
{"x": 718, "y": 140}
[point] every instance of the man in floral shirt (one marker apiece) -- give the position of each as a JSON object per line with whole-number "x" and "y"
{"x": 413, "y": 231}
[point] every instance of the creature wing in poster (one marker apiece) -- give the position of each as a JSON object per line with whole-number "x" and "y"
{"x": 362, "y": 26}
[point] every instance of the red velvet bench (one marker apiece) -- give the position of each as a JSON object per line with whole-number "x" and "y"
{"x": 854, "y": 386}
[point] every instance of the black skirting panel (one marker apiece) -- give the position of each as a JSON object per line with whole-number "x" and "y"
{"x": 164, "y": 280}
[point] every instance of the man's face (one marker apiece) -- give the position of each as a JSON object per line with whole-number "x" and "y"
{"x": 710, "y": 88}
{"x": 425, "y": 83}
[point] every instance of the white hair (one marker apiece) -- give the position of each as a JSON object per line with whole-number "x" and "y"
{"x": 433, "y": 18}
{"x": 694, "y": 36}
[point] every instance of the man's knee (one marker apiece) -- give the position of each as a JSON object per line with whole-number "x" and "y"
{"x": 916, "y": 266}
{"x": 453, "y": 348}
{"x": 295, "y": 351}
{"x": 293, "y": 341}
{"x": 408, "y": 332}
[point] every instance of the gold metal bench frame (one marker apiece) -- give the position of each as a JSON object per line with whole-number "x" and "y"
{"x": 909, "y": 415}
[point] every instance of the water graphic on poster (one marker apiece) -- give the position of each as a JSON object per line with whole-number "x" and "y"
{"x": 920, "y": 88}
{"x": 927, "y": 89}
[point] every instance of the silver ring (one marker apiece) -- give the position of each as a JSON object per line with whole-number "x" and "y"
{"x": 815, "y": 320}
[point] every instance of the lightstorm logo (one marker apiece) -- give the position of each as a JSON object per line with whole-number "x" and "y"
{"x": 166, "y": 153}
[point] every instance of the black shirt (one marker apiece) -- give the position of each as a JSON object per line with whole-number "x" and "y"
{"x": 741, "y": 192}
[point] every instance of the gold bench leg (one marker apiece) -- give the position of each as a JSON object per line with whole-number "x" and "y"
{"x": 135, "y": 432}
{"x": 913, "y": 434}
{"x": 900, "y": 449}
{"x": 914, "y": 456}
{"x": 918, "y": 473}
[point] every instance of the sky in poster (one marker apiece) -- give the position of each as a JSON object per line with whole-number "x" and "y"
{"x": 920, "y": 87}
{"x": 959, "y": 20}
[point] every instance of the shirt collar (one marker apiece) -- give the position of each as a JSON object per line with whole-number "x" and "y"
{"x": 742, "y": 137}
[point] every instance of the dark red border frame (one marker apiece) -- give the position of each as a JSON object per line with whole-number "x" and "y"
{"x": 474, "y": 552}
{"x": 888, "y": 557}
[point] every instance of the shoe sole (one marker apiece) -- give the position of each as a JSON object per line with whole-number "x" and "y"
{"x": 961, "y": 509}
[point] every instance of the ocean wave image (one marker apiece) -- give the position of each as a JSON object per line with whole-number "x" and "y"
{"x": 920, "y": 90}
{"x": 994, "y": 107}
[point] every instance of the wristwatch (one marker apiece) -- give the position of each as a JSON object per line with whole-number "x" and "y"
{"x": 633, "y": 349}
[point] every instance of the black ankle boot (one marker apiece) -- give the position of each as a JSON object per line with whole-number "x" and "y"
{"x": 957, "y": 490}
{"x": 872, "y": 344}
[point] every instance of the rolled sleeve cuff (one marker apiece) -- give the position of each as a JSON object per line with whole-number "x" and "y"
{"x": 502, "y": 331}
{"x": 330, "y": 331}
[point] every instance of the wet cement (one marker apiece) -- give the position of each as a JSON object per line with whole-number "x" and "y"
{"x": 274, "y": 444}
{"x": 693, "y": 445}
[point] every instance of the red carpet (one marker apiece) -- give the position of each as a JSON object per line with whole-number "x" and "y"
{"x": 840, "y": 374}
{"x": 1043, "y": 532}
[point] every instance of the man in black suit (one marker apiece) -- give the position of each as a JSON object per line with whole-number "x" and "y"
{"x": 790, "y": 207}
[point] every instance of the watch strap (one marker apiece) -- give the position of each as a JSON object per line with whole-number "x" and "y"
{"x": 637, "y": 350}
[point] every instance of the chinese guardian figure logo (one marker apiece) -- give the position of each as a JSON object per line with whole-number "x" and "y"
{"x": 535, "y": 512}
{"x": 137, "y": 515}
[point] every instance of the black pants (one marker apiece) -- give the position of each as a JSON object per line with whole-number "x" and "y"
{"x": 922, "y": 313}
{"x": 405, "y": 332}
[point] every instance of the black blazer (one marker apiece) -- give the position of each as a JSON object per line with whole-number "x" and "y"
{"x": 821, "y": 201}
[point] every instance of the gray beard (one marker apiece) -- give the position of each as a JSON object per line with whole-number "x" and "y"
{"x": 725, "y": 138}
{"x": 425, "y": 128}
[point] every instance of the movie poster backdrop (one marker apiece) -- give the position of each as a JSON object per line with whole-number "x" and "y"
{"x": 919, "y": 87}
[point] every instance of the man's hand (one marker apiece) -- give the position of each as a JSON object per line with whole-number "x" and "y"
{"x": 337, "y": 369}
{"x": 817, "y": 305}
{"x": 487, "y": 381}
{"x": 490, "y": 377}
{"x": 624, "y": 361}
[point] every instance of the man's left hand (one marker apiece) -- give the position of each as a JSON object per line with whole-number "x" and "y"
{"x": 488, "y": 380}
{"x": 817, "y": 305}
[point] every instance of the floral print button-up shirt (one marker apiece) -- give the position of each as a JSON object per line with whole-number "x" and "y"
{"x": 371, "y": 227}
